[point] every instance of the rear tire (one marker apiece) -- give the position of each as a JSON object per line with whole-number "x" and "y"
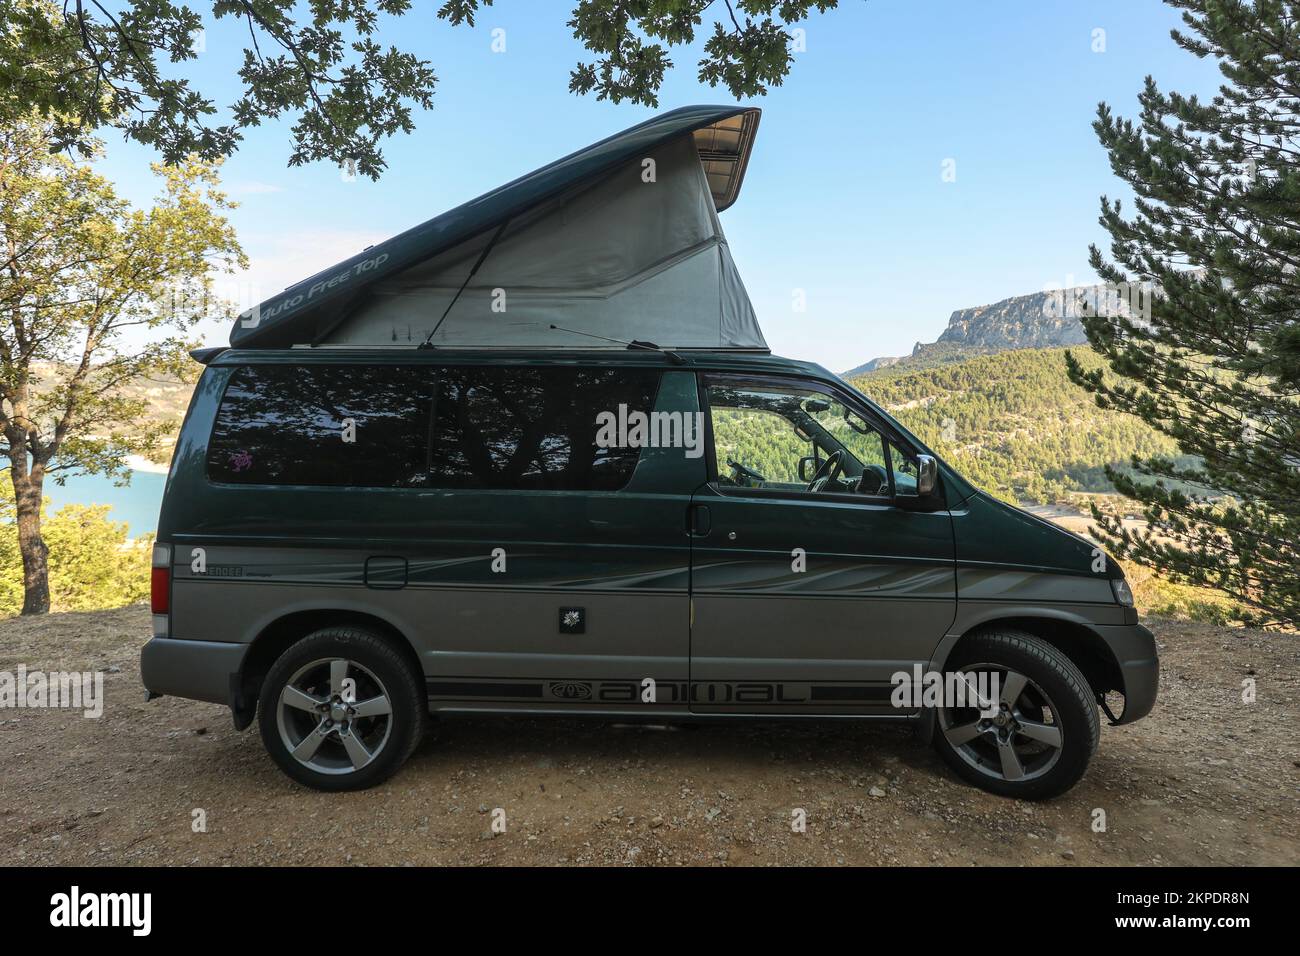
{"x": 1047, "y": 728}
{"x": 341, "y": 709}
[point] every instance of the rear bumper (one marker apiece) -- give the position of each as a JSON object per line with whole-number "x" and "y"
{"x": 1134, "y": 648}
{"x": 199, "y": 670}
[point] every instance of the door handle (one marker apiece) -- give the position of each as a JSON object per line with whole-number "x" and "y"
{"x": 698, "y": 521}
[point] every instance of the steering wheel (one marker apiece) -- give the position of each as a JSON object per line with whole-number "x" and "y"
{"x": 743, "y": 472}
{"x": 827, "y": 471}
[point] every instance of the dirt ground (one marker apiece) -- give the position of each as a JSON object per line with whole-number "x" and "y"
{"x": 1206, "y": 779}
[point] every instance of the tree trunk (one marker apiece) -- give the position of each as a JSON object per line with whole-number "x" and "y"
{"x": 36, "y": 570}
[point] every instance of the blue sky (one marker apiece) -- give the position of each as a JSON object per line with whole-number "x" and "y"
{"x": 844, "y": 198}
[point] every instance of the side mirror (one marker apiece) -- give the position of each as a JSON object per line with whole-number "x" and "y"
{"x": 808, "y": 466}
{"x": 927, "y": 474}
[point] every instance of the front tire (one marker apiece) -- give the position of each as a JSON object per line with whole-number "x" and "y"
{"x": 341, "y": 709}
{"x": 1046, "y": 729}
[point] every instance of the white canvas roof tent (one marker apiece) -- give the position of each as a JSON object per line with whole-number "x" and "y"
{"x": 621, "y": 240}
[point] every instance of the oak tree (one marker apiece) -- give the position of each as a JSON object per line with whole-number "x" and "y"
{"x": 86, "y": 65}
{"x": 95, "y": 296}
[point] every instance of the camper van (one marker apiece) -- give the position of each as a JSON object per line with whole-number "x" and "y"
{"x": 535, "y": 457}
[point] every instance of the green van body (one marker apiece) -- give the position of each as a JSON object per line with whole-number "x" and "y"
{"x": 677, "y": 578}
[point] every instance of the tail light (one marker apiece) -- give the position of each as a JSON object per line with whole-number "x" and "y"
{"x": 160, "y": 589}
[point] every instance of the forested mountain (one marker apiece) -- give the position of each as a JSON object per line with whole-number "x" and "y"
{"x": 1012, "y": 422}
{"x": 992, "y": 396}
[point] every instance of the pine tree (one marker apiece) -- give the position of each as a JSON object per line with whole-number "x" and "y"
{"x": 1212, "y": 358}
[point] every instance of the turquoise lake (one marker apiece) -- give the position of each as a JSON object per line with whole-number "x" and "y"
{"x": 137, "y": 504}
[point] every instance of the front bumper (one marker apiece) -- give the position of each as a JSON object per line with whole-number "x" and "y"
{"x": 199, "y": 670}
{"x": 1134, "y": 648}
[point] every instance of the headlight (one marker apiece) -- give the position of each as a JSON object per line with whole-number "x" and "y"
{"x": 1123, "y": 595}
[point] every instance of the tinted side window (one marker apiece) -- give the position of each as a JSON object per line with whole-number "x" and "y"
{"x": 792, "y": 437}
{"x": 289, "y": 424}
{"x": 534, "y": 428}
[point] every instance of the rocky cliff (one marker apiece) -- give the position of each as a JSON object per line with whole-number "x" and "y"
{"x": 1040, "y": 320}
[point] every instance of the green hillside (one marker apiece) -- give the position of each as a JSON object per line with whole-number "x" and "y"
{"x": 1013, "y": 423}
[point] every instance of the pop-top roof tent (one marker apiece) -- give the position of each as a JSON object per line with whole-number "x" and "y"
{"x": 620, "y": 240}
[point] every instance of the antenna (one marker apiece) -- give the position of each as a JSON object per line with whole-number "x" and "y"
{"x": 634, "y": 344}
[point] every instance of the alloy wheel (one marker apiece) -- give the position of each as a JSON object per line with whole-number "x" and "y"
{"x": 334, "y": 716}
{"x": 1021, "y": 742}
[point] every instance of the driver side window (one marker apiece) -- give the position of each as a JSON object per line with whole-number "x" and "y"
{"x": 792, "y": 438}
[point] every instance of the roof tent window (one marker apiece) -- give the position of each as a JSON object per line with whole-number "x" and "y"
{"x": 535, "y": 428}
{"x": 359, "y": 426}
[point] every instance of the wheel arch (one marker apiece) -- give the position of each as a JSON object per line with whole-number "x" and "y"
{"x": 285, "y": 631}
{"x": 1084, "y": 647}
